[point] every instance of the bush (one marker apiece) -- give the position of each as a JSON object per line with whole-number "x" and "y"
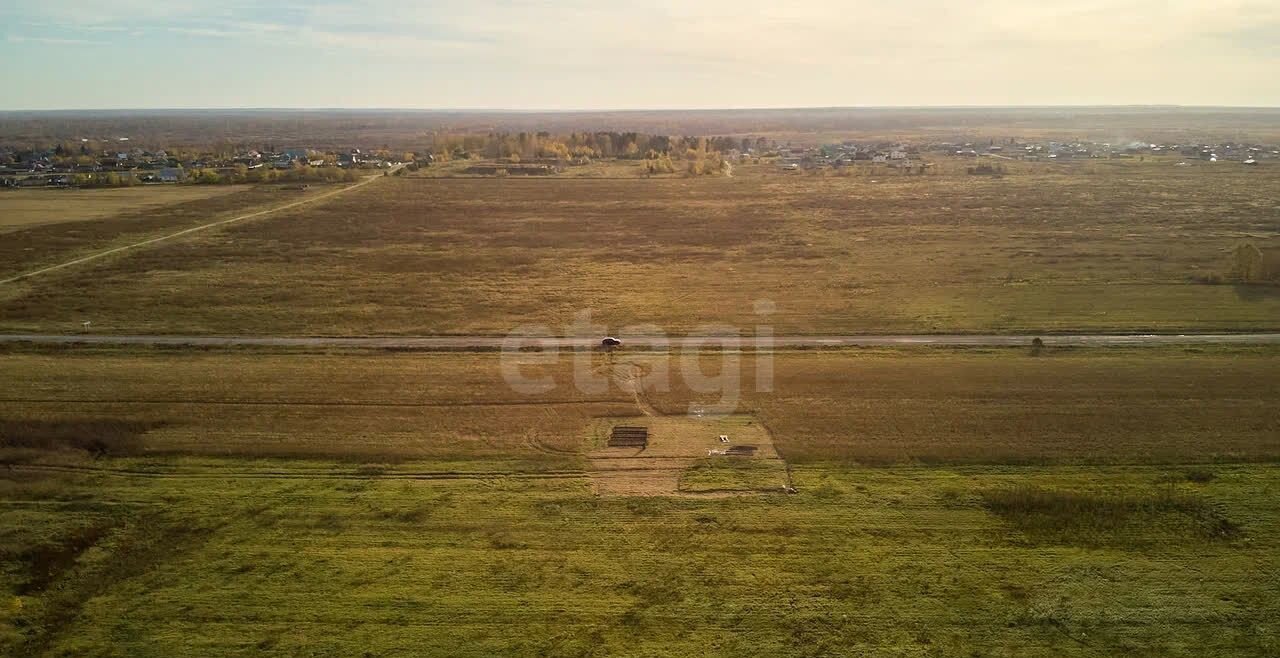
{"x": 1247, "y": 263}
{"x": 1099, "y": 518}
{"x": 98, "y": 437}
{"x": 1200, "y": 475}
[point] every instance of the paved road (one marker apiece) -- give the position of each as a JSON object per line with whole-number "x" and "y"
{"x": 194, "y": 229}
{"x": 499, "y": 342}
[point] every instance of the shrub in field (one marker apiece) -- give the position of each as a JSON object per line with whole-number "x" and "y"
{"x": 99, "y": 437}
{"x": 1200, "y": 475}
{"x": 1098, "y": 518}
{"x": 1246, "y": 263}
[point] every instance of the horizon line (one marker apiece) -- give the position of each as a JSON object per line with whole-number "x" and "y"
{"x": 623, "y": 110}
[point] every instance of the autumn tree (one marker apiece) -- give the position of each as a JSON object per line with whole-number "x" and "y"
{"x": 1247, "y": 263}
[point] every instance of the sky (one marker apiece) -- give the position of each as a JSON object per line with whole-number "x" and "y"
{"x": 671, "y": 54}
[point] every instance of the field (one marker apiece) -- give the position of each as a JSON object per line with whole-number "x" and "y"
{"x": 1106, "y": 246}
{"x": 47, "y": 227}
{"x": 1147, "y": 405}
{"x": 910, "y": 501}
{"x": 944, "y": 502}
{"x": 21, "y": 209}
{"x": 890, "y": 562}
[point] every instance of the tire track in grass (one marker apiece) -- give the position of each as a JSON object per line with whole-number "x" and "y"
{"x": 194, "y": 229}
{"x": 214, "y": 474}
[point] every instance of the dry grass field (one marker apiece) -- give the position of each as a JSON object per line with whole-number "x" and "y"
{"x": 1115, "y": 246}
{"x": 376, "y": 409}
{"x": 1007, "y": 407}
{"x": 20, "y": 209}
{"x": 918, "y": 501}
{"x": 1147, "y": 405}
{"x": 46, "y": 227}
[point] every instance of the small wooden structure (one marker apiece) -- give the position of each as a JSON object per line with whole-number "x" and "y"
{"x": 629, "y": 436}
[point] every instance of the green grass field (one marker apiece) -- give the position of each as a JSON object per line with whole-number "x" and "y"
{"x": 1108, "y": 246}
{"x": 948, "y": 502}
{"x": 909, "y": 562}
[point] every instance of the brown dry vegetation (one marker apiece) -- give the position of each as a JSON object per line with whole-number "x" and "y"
{"x": 1110, "y": 246}
{"x": 79, "y": 222}
{"x": 1003, "y": 406}
{"x": 1151, "y": 405}
{"x": 37, "y": 207}
{"x": 372, "y": 408}
{"x": 677, "y": 459}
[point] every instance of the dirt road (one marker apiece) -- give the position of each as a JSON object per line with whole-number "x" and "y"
{"x": 194, "y": 229}
{"x": 647, "y": 342}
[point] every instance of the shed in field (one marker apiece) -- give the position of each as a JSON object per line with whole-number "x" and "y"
{"x": 628, "y": 436}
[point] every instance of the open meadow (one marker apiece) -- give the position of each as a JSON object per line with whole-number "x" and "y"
{"x": 964, "y": 370}
{"x": 904, "y": 502}
{"x": 1044, "y": 561}
{"x": 1099, "y": 246}
{"x": 20, "y": 209}
{"x": 1038, "y": 500}
{"x": 868, "y": 407}
{"x": 46, "y": 227}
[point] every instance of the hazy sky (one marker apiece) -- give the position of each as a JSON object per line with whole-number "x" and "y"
{"x": 572, "y": 54}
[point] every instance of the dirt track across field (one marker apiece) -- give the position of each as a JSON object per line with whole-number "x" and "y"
{"x": 194, "y": 229}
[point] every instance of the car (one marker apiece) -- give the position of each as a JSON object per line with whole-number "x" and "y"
{"x": 610, "y": 341}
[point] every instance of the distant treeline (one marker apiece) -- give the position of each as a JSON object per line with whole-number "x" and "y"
{"x": 299, "y": 173}
{"x": 661, "y": 154}
{"x": 413, "y": 130}
{"x": 211, "y": 176}
{"x": 534, "y": 145}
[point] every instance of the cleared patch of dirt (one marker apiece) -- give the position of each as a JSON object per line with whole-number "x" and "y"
{"x": 678, "y": 444}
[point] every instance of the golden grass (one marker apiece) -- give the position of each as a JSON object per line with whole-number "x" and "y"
{"x": 25, "y": 208}
{"x": 29, "y": 247}
{"x": 1151, "y": 405}
{"x": 1105, "y": 246}
{"x": 370, "y": 408}
{"x": 1004, "y": 406}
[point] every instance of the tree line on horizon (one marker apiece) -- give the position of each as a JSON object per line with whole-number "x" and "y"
{"x": 658, "y": 153}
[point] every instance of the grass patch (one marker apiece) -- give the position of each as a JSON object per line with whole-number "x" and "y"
{"x": 1200, "y": 475}
{"x": 97, "y": 436}
{"x": 517, "y": 566}
{"x": 734, "y": 474}
{"x": 26, "y": 208}
{"x": 1047, "y": 515}
{"x": 64, "y": 577}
